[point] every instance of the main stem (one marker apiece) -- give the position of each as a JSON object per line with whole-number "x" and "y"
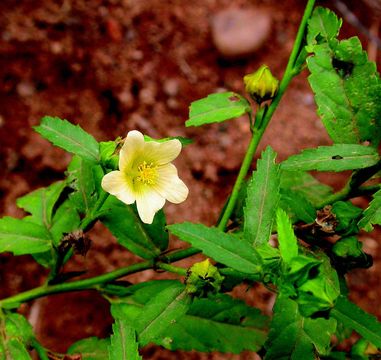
{"x": 94, "y": 282}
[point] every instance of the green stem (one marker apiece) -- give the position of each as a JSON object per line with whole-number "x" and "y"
{"x": 40, "y": 350}
{"x": 290, "y": 72}
{"x": 173, "y": 269}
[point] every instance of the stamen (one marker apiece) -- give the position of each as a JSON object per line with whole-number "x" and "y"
{"x": 147, "y": 173}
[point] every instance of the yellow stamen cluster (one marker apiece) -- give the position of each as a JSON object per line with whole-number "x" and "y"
{"x": 147, "y": 173}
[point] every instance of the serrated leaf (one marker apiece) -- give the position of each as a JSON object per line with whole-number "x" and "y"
{"x": 323, "y": 25}
{"x": 357, "y": 319}
{"x": 69, "y": 137}
{"x": 160, "y": 312}
{"x": 146, "y": 241}
{"x": 305, "y": 184}
{"x": 40, "y": 203}
{"x": 288, "y": 244}
{"x": 22, "y": 237}
{"x": 262, "y": 200}
{"x": 218, "y": 323}
{"x": 227, "y": 249}
{"x": 81, "y": 180}
{"x": 293, "y": 336}
{"x": 347, "y": 86}
{"x": 337, "y": 157}
{"x": 372, "y": 214}
{"x": 124, "y": 345}
{"x": 217, "y": 108}
{"x": 91, "y": 348}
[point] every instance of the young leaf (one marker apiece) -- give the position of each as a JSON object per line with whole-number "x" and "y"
{"x": 305, "y": 184}
{"x": 262, "y": 200}
{"x": 163, "y": 310}
{"x": 40, "y": 203}
{"x": 217, "y": 108}
{"x": 372, "y": 215}
{"x": 337, "y": 157}
{"x": 218, "y": 323}
{"x": 90, "y": 348}
{"x": 227, "y": 249}
{"x": 293, "y": 336}
{"x": 22, "y": 237}
{"x": 288, "y": 244}
{"x": 346, "y": 85}
{"x": 81, "y": 180}
{"x": 69, "y": 137}
{"x": 357, "y": 319}
{"x": 146, "y": 241}
{"x": 322, "y": 26}
{"x": 123, "y": 342}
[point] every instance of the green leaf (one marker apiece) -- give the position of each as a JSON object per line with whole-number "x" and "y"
{"x": 65, "y": 220}
{"x": 123, "y": 342}
{"x": 218, "y": 323}
{"x": 184, "y": 141}
{"x": 146, "y": 241}
{"x": 160, "y": 312}
{"x": 90, "y": 348}
{"x": 297, "y": 206}
{"x": 357, "y": 319}
{"x": 69, "y": 137}
{"x": 293, "y": 336}
{"x": 347, "y": 216}
{"x": 347, "y": 86}
{"x": 22, "y": 237}
{"x": 17, "y": 335}
{"x": 288, "y": 244}
{"x": 337, "y": 157}
{"x": 227, "y": 249}
{"x": 305, "y": 185}
{"x": 262, "y": 200}
{"x": 320, "y": 291}
{"x": 322, "y": 26}
{"x": 81, "y": 180}
{"x": 372, "y": 214}
{"x": 40, "y": 203}
{"x": 217, "y": 108}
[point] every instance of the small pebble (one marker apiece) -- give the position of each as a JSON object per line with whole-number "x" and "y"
{"x": 25, "y": 89}
{"x": 171, "y": 87}
{"x": 240, "y": 32}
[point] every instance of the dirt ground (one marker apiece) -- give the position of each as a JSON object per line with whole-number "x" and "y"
{"x": 116, "y": 65}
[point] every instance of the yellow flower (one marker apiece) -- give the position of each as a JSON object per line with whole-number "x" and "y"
{"x": 146, "y": 175}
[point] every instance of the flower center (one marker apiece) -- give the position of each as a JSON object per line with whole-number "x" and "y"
{"x": 147, "y": 173}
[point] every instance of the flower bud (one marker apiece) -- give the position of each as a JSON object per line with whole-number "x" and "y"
{"x": 261, "y": 85}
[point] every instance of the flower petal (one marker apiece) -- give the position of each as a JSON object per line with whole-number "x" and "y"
{"x": 161, "y": 153}
{"x": 169, "y": 185}
{"x": 148, "y": 203}
{"x": 115, "y": 183}
{"x": 132, "y": 148}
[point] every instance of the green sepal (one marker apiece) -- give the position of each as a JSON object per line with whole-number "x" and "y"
{"x": 347, "y": 216}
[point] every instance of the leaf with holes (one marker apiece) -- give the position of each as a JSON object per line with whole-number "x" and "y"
{"x": 338, "y": 157}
